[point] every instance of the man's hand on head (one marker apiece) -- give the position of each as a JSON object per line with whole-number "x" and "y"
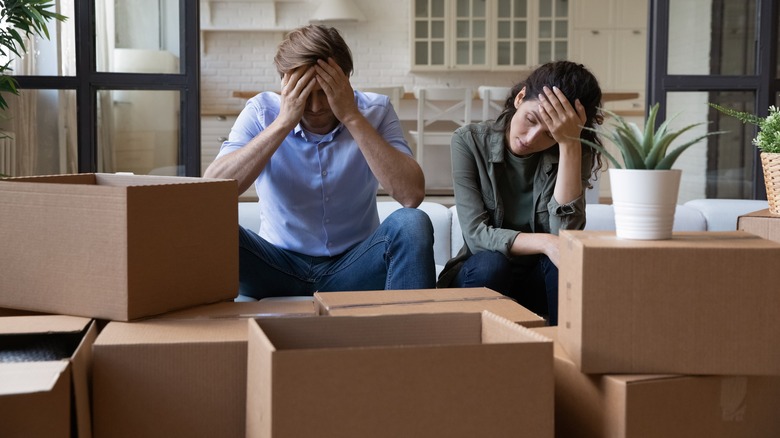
{"x": 297, "y": 85}
{"x": 335, "y": 83}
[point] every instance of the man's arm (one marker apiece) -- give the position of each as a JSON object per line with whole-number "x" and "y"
{"x": 245, "y": 164}
{"x": 397, "y": 172}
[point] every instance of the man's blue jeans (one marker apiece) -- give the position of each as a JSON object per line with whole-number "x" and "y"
{"x": 534, "y": 286}
{"x": 399, "y": 255}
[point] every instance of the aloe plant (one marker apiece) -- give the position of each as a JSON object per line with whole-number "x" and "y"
{"x": 645, "y": 150}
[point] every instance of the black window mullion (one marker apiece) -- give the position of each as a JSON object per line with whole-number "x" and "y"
{"x": 189, "y": 122}
{"x": 86, "y": 94}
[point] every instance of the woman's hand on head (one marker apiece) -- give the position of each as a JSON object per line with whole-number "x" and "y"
{"x": 564, "y": 121}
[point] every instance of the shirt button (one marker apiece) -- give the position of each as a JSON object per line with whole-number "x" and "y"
{"x": 330, "y": 243}
{"x": 327, "y": 199}
{"x": 324, "y": 172}
{"x": 327, "y": 221}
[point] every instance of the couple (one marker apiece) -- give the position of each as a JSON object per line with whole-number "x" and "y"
{"x": 318, "y": 151}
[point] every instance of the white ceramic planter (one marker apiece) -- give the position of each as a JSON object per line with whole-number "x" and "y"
{"x": 644, "y": 202}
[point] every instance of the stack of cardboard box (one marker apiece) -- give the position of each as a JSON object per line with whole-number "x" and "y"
{"x": 673, "y": 338}
{"x": 147, "y": 265}
{"x": 98, "y": 248}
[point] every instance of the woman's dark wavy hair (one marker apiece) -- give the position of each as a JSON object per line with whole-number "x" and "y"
{"x": 576, "y": 82}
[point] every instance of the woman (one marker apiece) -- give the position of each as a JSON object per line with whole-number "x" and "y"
{"x": 519, "y": 180}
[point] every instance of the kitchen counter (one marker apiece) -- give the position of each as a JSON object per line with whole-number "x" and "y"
{"x": 408, "y": 110}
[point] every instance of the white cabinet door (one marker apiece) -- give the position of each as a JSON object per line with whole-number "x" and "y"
{"x": 594, "y": 49}
{"x": 214, "y": 129}
{"x": 631, "y": 14}
{"x": 630, "y": 57}
{"x": 593, "y": 14}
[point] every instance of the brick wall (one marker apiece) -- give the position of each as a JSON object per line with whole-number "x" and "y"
{"x": 380, "y": 48}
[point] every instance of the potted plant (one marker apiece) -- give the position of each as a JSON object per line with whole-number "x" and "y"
{"x": 644, "y": 186}
{"x": 768, "y": 142}
{"x": 20, "y": 20}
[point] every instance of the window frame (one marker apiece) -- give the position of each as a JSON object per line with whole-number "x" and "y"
{"x": 765, "y": 83}
{"x": 88, "y": 82}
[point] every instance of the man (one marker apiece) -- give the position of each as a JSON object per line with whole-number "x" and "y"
{"x": 316, "y": 154}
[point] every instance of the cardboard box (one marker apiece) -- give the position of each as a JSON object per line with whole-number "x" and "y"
{"x": 117, "y": 247}
{"x": 267, "y": 307}
{"x": 44, "y": 381}
{"x": 761, "y": 223}
{"x": 397, "y": 302}
{"x": 669, "y": 406}
{"x": 450, "y": 374}
{"x": 699, "y": 303}
{"x": 182, "y": 374}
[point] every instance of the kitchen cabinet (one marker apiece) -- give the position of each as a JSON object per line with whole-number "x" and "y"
{"x": 214, "y": 129}
{"x": 492, "y": 35}
{"x": 610, "y": 38}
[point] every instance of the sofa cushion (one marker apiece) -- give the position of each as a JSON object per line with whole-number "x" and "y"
{"x": 722, "y": 214}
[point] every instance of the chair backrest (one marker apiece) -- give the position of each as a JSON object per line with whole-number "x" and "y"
{"x": 443, "y": 104}
{"x": 394, "y": 93}
{"x": 451, "y": 107}
{"x": 493, "y": 99}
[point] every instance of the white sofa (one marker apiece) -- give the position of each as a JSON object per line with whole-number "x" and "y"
{"x": 695, "y": 215}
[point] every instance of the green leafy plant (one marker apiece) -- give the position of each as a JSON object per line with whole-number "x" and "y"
{"x": 768, "y": 137}
{"x": 19, "y": 20}
{"x": 645, "y": 150}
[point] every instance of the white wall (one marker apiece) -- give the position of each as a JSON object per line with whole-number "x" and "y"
{"x": 380, "y": 49}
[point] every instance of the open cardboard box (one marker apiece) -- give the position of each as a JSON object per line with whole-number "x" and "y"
{"x": 44, "y": 376}
{"x": 699, "y": 303}
{"x": 395, "y": 302}
{"x": 181, "y": 374}
{"x": 669, "y": 406}
{"x": 117, "y": 247}
{"x": 449, "y": 374}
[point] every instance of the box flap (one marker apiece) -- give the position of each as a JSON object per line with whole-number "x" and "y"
{"x": 341, "y": 300}
{"x": 376, "y": 331}
{"x": 300, "y": 306}
{"x": 760, "y": 213}
{"x": 30, "y": 377}
{"x": 16, "y": 325}
{"x": 680, "y": 240}
{"x": 173, "y": 331}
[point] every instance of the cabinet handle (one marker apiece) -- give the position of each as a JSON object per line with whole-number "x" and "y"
{"x": 594, "y": 32}
{"x": 221, "y": 118}
{"x": 636, "y": 32}
{"x": 221, "y": 139}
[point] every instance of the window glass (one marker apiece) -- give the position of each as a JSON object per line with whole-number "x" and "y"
{"x": 138, "y": 131}
{"x": 720, "y": 166}
{"x": 421, "y": 29}
{"x": 137, "y": 36}
{"x": 545, "y": 8}
{"x": 712, "y": 38}
{"x": 421, "y": 8}
{"x": 55, "y": 56}
{"x": 38, "y": 133}
{"x": 479, "y": 53}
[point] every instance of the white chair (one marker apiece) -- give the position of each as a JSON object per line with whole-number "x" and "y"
{"x": 493, "y": 100}
{"x": 394, "y": 93}
{"x": 439, "y": 112}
